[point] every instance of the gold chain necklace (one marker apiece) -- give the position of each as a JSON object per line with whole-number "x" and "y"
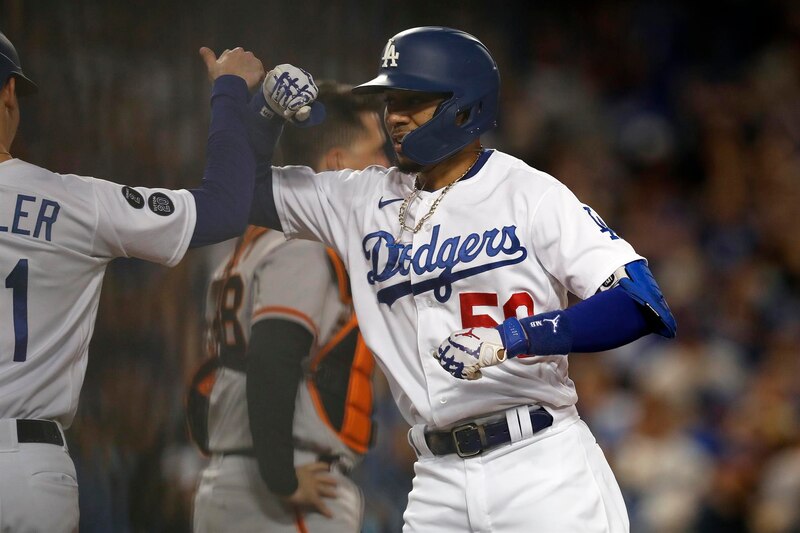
{"x": 401, "y": 217}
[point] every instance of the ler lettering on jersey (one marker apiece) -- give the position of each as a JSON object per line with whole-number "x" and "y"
{"x": 32, "y": 217}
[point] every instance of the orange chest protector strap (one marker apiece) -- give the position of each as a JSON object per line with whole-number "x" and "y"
{"x": 197, "y": 402}
{"x": 341, "y": 383}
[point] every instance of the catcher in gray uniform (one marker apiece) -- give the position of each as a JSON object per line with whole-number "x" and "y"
{"x": 284, "y": 404}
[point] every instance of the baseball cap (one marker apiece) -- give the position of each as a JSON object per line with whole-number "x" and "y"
{"x": 10, "y": 66}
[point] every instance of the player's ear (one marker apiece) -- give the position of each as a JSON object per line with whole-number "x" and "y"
{"x": 8, "y": 92}
{"x": 333, "y": 159}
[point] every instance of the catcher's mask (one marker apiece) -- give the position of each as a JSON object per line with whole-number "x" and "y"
{"x": 441, "y": 60}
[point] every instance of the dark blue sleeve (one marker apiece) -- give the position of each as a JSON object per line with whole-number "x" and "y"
{"x": 607, "y": 320}
{"x": 263, "y": 211}
{"x": 227, "y": 186}
{"x": 264, "y": 133}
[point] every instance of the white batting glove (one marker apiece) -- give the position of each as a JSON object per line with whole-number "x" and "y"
{"x": 466, "y": 351}
{"x": 289, "y": 92}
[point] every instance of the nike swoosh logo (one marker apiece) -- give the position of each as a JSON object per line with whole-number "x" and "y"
{"x": 383, "y": 203}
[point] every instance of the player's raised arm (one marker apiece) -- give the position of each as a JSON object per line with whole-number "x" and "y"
{"x": 288, "y": 94}
{"x": 230, "y": 167}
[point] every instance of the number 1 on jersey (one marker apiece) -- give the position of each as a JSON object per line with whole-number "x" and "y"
{"x": 17, "y": 281}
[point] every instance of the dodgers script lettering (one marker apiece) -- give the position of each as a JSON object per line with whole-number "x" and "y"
{"x": 448, "y": 257}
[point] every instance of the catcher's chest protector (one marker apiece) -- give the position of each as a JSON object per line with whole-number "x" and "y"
{"x": 340, "y": 381}
{"x": 197, "y": 402}
{"x": 341, "y": 377}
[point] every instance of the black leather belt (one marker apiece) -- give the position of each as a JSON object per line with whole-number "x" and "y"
{"x": 40, "y": 431}
{"x": 468, "y": 440}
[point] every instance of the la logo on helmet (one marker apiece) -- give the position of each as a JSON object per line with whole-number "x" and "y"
{"x": 390, "y": 55}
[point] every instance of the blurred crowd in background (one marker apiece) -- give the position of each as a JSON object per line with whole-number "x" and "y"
{"x": 678, "y": 122}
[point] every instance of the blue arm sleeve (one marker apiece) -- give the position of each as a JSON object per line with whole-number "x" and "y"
{"x": 606, "y": 320}
{"x": 264, "y": 133}
{"x": 230, "y": 166}
{"x": 263, "y": 211}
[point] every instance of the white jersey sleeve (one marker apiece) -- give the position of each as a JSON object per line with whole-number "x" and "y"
{"x": 574, "y": 244}
{"x": 151, "y": 224}
{"x": 319, "y": 206}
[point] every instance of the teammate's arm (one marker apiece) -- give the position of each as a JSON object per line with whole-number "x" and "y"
{"x": 267, "y": 120}
{"x": 263, "y": 211}
{"x": 632, "y": 307}
{"x": 230, "y": 168}
{"x": 287, "y": 94}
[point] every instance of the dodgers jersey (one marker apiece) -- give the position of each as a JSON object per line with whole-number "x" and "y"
{"x": 57, "y": 234}
{"x": 509, "y": 240}
{"x": 267, "y": 278}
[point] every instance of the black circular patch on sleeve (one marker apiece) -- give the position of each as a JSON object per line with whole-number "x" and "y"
{"x": 133, "y": 197}
{"x": 610, "y": 281}
{"x": 160, "y": 204}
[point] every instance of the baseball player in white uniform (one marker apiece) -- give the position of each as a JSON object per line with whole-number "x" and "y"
{"x": 461, "y": 259}
{"x": 58, "y": 233}
{"x": 289, "y": 411}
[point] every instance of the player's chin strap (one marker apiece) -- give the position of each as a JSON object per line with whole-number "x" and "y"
{"x": 630, "y": 305}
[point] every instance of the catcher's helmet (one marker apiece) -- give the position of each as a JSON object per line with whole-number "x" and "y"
{"x": 437, "y": 59}
{"x": 10, "y": 65}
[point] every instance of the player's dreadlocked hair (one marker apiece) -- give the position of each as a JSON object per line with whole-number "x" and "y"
{"x": 342, "y": 126}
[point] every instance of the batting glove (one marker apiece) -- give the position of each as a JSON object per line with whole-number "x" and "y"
{"x": 466, "y": 351}
{"x": 290, "y": 92}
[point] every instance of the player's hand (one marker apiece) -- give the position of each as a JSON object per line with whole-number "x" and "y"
{"x": 466, "y": 351}
{"x": 314, "y": 482}
{"x": 238, "y": 62}
{"x": 290, "y": 93}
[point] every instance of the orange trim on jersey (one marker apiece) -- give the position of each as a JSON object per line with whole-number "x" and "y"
{"x": 299, "y": 522}
{"x": 281, "y": 310}
{"x": 243, "y": 246}
{"x": 356, "y": 428}
{"x": 206, "y": 384}
{"x": 341, "y": 277}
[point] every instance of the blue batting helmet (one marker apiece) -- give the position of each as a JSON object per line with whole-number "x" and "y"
{"x": 441, "y": 60}
{"x": 10, "y": 66}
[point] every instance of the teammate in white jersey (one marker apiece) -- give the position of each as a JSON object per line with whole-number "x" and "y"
{"x": 289, "y": 413}
{"x": 58, "y": 233}
{"x": 461, "y": 259}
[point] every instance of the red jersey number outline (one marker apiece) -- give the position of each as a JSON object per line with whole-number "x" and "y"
{"x": 470, "y": 300}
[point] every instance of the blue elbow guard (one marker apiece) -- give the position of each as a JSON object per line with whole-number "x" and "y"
{"x": 642, "y": 287}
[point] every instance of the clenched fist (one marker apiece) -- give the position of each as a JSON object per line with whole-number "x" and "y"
{"x": 466, "y": 351}
{"x": 289, "y": 93}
